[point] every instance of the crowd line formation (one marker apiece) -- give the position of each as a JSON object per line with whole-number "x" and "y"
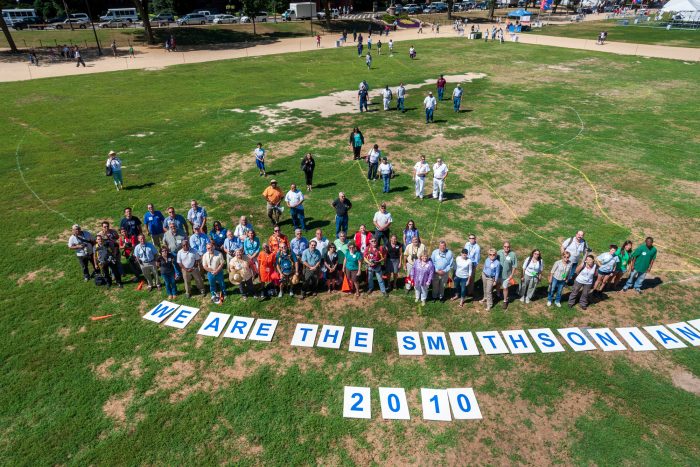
{"x": 191, "y": 248}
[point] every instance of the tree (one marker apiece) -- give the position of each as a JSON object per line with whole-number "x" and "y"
{"x": 492, "y": 9}
{"x": 142, "y": 6}
{"x": 450, "y": 4}
{"x": 251, "y": 8}
{"x": 8, "y": 36}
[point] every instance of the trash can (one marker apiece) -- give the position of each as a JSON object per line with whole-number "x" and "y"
{"x": 337, "y": 43}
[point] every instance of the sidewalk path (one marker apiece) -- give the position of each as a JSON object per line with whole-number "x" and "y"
{"x": 155, "y": 58}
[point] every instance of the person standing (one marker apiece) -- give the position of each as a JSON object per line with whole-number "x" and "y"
{"x": 231, "y": 244}
{"x": 322, "y": 243}
{"x": 82, "y": 242}
{"x": 241, "y": 273}
{"x": 474, "y": 252}
{"x": 154, "y": 224}
{"x": 131, "y": 224}
{"x": 362, "y": 97}
{"x": 287, "y": 266}
{"x": 577, "y": 247}
{"x": 299, "y": 244}
{"x": 213, "y": 262}
{"x": 78, "y": 57}
{"x": 409, "y": 232}
{"x": 463, "y": 271}
{"x": 368, "y": 59}
{"x": 189, "y": 260}
{"x": 373, "y": 157}
{"x": 457, "y": 98}
{"x": 104, "y": 261}
{"x": 114, "y": 48}
{"x": 318, "y": 41}
{"x": 607, "y": 265}
{"x": 412, "y": 52}
{"x": 295, "y": 200}
{"x": 532, "y": 275}
{"x": 379, "y": 47}
{"x": 413, "y": 251}
{"x": 331, "y": 268}
{"x": 642, "y": 261}
{"x": 382, "y": 224}
{"x": 443, "y": 261}
{"x": 266, "y": 266}
{"x": 308, "y": 164}
{"x": 341, "y": 245}
{"x": 400, "y": 97}
{"x": 356, "y": 141}
{"x": 391, "y": 46}
{"x": 166, "y": 262}
{"x": 441, "y": 82}
{"x": 394, "y": 261}
{"x": 362, "y": 238}
{"x": 490, "y": 276}
{"x": 273, "y": 196}
{"x": 386, "y": 171}
{"x": 509, "y": 263}
{"x": 420, "y": 170}
{"x": 276, "y": 239}
{"x": 625, "y": 254}
{"x": 145, "y": 254}
{"x": 557, "y": 279}
{"x": 172, "y": 239}
{"x": 260, "y": 160}
{"x": 342, "y": 206}
{"x": 197, "y": 215}
{"x": 439, "y": 175}
{"x": 374, "y": 258}
{"x": 242, "y": 228}
{"x": 114, "y": 168}
{"x": 311, "y": 259}
{"x": 199, "y": 240}
{"x": 422, "y": 274}
{"x": 430, "y": 104}
{"x": 584, "y": 281}
{"x": 359, "y": 48}
{"x": 386, "y": 97}
{"x": 177, "y": 220}
{"x": 126, "y": 244}
{"x": 218, "y": 235}
{"x": 369, "y": 42}
{"x": 351, "y": 266}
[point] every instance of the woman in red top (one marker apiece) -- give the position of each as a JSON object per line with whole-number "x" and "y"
{"x": 126, "y": 245}
{"x": 362, "y": 238}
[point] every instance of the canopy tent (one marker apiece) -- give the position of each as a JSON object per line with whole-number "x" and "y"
{"x": 519, "y": 13}
{"x": 683, "y": 10}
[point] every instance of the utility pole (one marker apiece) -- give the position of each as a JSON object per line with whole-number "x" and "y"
{"x": 65, "y": 7}
{"x": 99, "y": 49}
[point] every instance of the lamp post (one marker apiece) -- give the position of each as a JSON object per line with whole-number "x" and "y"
{"x": 99, "y": 49}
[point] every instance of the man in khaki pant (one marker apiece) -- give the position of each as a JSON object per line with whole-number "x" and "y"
{"x": 188, "y": 260}
{"x": 490, "y": 277}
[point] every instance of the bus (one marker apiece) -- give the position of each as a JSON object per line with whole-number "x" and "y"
{"x": 12, "y": 16}
{"x": 127, "y": 14}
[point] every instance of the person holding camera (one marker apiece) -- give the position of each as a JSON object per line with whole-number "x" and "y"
{"x": 82, "y": 241}
{"x": 145, "y": 254}
{"x": 105, "y": 262}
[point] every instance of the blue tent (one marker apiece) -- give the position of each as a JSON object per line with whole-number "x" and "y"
{"x": 519, "y": 13}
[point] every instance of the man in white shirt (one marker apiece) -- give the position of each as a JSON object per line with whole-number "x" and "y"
{"x": 146, "y": 255}
{"x": 295, "y": 199}
{"x": 213, "y": 262}
{"x": 260, "y": 160}
{"x": 439, "y": 174}
{"x": 577, "y": 247}
{"x": 400, "y": 96}
{"x": 382, "y": 223}
{"x": 457, "y": 97}
{"x": 82, "y": 241}
{"x": 430, "y": 104}
{"x": 321, "y": 243}
{"x": 188, "y": 260}
{"x": 373, "y": 157}
{"x": 420, "y": 170}
{"x": 242, "y": 228}
{"x": 385, "y": 170}
{"x": 386, "y": 97}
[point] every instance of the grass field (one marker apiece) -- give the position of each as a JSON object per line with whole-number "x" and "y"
{"x": 631, "y": 33}
{"x": 539, "y": 126}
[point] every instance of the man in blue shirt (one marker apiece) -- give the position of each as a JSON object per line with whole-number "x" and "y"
{"x": 443, "y": 261}
{"x": 490, "y": 277}
{"x": 178, "y": 220}
{"x": 154, "y": 224}
{"x": 474, "y": 254}
{"x": 311, "y": 259}
{"x": 197, "y": 215}
{"x": 298, "y": 244}
{"x": 362, "y": 95}
{"x": 199, "y": 240}
{"x": 145, "y": 254}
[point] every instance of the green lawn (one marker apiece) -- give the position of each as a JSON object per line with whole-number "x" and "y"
{"x": 642, "y": 34}
{"x": 127, "y": 391}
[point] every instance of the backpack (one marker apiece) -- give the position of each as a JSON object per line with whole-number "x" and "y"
{"x": 571, "y": 240}
{"x": 108, "y": 171}
{"x": 286, "y": 265}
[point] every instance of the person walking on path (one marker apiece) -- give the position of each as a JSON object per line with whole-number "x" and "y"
{"x": 430, "y": 104}
{"x": 114, "y": 48}
{"x": 585, "y": 274}
{"x": 420, "y": 170}
{"x": 387, "y": 95}
{"x": 341, "y": 205}
{"x": 557, "y": 279}
{"x": 356, "y": 141}
{"x": 642, "y": 261}
{"x": 295, "y": 200}
{"x": 441, "y": 82}
{"x": 509, "y": 263}
{"x": 260, "y": 160}
{"x": 273, "y": 196}
{"x": 457, "y": 98}
{"x": 362, "y": 98}
{"x": 78, "y": 57}
{"x": 439, "y": 175}
{"x": 308, "y": 164}
{"x": 114, "y": 168}
{"x": 385, "y": 171}
{"x": 400, "y": 96}
{"x": 490, "y": 277}
{"x": 532, "y": 275}
{"x": 368, "y": 61}
{"x": 318, "y": 41}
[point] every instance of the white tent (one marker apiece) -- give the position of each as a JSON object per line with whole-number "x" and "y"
{"x": 687, "y": 10}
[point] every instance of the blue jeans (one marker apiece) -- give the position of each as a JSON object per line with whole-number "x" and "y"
{"x": 457, "y": 102}
{"x": 399, "y": 104}
{"x": 372, "y": 171}
{"x": 461, "y": 285}
{"x": 382, "y": 234}
{"x": 214, "y": 281}
{"x": 371, "y": 273}
{"x": 441, "y": 92}
{"x": 572, "y": 274}
{"x": 386, "y": 178}
{"x": 341, "y": 223}
{"x": 170, "y": 286}
{"x": 359, "y": 50}
{"x": 555, "y": 290}
{"x": 297, "y": 218}
{"x": 117, "y": 177}
{"x": 637, "y": 279}
{"x": 428, "y": 115}
{"x": 363, "y": 104}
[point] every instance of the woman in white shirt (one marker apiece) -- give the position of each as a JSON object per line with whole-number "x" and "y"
{"x": 463, "y": 270}
{"x": 385, "y": 170}
{"x": 532, "y": 274}
{"x": 583, "y": 283}
{"x": 607, "y": 265}
{"x": 114, "y": 168}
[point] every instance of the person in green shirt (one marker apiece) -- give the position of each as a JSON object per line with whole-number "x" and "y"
{"x": 642, "y": 261}
{"x": 352, "y": 265}
{"x": 341, "y": 245}
{"x": 624, "y": 253}
{"x": 509, "y": 262}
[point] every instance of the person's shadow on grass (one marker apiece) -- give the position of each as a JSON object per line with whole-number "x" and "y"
{"x": 139, "y": 187}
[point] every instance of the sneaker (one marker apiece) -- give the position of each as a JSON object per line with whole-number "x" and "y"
{"x": 150, "y": 288}
{"x": 214, "y": 299}
{"x": 120, "y": 285}
{"x": 291, "y": 294}
{"x": 505, "y": 305}
{"x": 527, "y": 300}
{"x": 244, "y": 298}
{"x": 639, "y": 291}
{"x": 417, "y": 300}
{"x": 549, "y": 303}
{"x": 624, "y": 289}
{"x": 85, "y": 279}
{"x": 423, "y": 303}
{"x": 279, "y": 295}
{"x": 557, "y": 304}
{"x": 522, "y": 299}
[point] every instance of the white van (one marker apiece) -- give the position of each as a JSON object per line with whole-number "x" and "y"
{"x": 127, "y": 14}
{"x": 15, "y": 15}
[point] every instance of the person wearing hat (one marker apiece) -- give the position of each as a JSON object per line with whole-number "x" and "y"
{"x": 430, "y": 104}
{"x": 114, "y": 168}
{"x": 82, "y": 242}
{"x": 457, "y": 97}
{"x": 273, "y": 195}
{"x": 240, "y": 273}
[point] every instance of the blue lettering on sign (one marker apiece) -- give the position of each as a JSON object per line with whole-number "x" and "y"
{"x": 665, "y": 337}
{"x": 464, "y": 343}
{"x": 162, "y": 310}
{"x": 606, "y": 339}
{"x": 545, "y": 339}
{"x": 361, "y": 336}
{"x": 263, "y": 328}
{"x": 356, "y": 406}
{"x": 631, "y": 333}
{"x": 214, "y": 324}
{"x": 396, "y": 405}
{"x": 515, "y": 341}
{"x": 181, "y": 316}
{"x": 238, "y": 325}
{"x": 437, "y": 344}
{"x": 306, "y": 332}
{"x": 335, "y": 335}
{"x": 689, "y": 333}
{"x": 409, "y": 342}
{"x": 434, "y": 400}
{"x": 463, "y": 403}
{"x": 491, "y": 338}
{"x": 582, "y": 340}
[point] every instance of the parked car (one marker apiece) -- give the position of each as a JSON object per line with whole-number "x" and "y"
{"x": 27, "y": 22}
{"x": 440, "y": 7}
{"x": 77, "y": 23}
{"x": 429, "y": 9}
{"x": 259, "y": 18}
{"x": 482, "y": 5}
{"x": 57, "y": 19}
{"x": 115, "y": 23}
{"x": 225, "y": 19}
{"x": 335, "y": 14}
{"x": 80, "y": 16}
{"x": 412, "y": 9}
{"x": 163, "y": 19}
{"x": 192, "y": 18}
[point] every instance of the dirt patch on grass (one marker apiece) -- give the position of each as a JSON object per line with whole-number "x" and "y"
{"x": 110, "y": 369}
{"x": 229, "y": 180}
{"x": 115, "y": 407}
{"x": 685, "y": 380}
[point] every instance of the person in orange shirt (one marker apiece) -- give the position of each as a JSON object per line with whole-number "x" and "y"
{"x": 266, "y": 265}
{"x": 275, "y": 239}
{"x": 273, "y": 195}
